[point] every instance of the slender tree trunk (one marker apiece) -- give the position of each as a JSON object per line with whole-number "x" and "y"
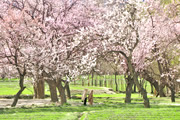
{"x": 105, "y": 82}
{"x": 88, "y": 80}
{"x": 152, "y": 89}
{"x": 92, "y": 78}
{"x": 130, "y": 83}
{"x": 68, "y": 91}
{"x": 96, "y": 81}
{"x": 116, "y": 81}
{"x": 111, "y": 82}
{"x": 16, "y": 97}
{"x": 35, "y": 90}
{"x": 82, "y": 81}
{"x": 53, "y": 91}
{"x": 134, "y": 88}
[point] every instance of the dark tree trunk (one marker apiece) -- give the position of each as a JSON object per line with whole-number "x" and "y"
{"x": 140, "y": 88}
{"x": 152, "y": 81}
{"x": 116, "y": 81}
{"x": 63, "y": 97}
{"x": 100, "y": 83}
{"x": 134, "y": 88}
{"x": 53, "y": 91}
{"x": 88, "y": 80}
{"x": 92, "y": 78}
{"x": 82, "y": 81}
{"x": 68, "y": 91}
{"x": 39, "y": 89}
{"x": 61, "y": 90}
{"x": 16, "y": 97}
{"x": 130, "y": 83}
{"x": 146, "y": 100}
{"x": 161, "y": 90}
{"x": 172, "y": 95}
{"x": 161, "y": 86}
{"x": 96, "y": 81}
{"x": 105, "y": 83}
{"x": 152, "y": 89}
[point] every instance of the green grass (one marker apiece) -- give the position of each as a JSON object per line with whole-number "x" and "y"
{"x": 105, "y": 111}
{"x": 79, "y": 87}
{"x": 11, "y": 88}
{"x": 106, "y": 107}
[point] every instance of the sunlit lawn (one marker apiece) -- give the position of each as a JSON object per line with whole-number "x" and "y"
{"x": 11, "y": 88}
{"x": 106, "y": 107}
{"x": 110, "y": 110}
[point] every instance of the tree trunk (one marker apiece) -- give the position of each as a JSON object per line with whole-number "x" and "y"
{"x": 140, "y": 88}
{"x": 16, "y": 97}
{"x": 172, "y": 95}
{"x": 152, "y": 89}
{"x": 96, "y": 81}
{"x": 92, "y": 78}
{"x": 68, "y": 91}
{"x": 53, "y": 91}
{"x": 35, "y": 90}
{"x": 82, "y": 81}
{"x": 130, "y": 83}
{"x": 63, "y": 97}
{"x": 116, "y": 81}
{"x": 161, "y": 86}
{"x": 161, "y": 90}
{"x": 105, "y": 83}
{"x": 39, "y": 89}
{"x": 88, "y": 80}
{"x": 61, "y": 90}
{"x": 134, "y": 88}
{"x": 146, "y": 100}
{"x": 152, "y": 81}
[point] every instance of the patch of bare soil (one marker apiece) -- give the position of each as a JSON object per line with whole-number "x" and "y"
{"x": 6, "y": 103}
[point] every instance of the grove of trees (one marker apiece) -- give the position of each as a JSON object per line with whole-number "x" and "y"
{"x": 54, "y": 41}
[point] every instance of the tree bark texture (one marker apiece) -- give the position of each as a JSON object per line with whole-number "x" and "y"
{"x": 92, "y": 78}
{"x": 61, "y": 90}
{"x": 39, "y": 89}
{"x": 172, "y": 95}
{"x": 152, "y": 81}
{"x": 130, "y": 83}
{"x": 116, "y": 81}
{"x": 135, "y": 78}
{"x": 68, "y": 91}
{"x": 53, "y": 91}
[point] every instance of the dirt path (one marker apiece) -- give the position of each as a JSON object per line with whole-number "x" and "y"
{"x": 6, "y": 103}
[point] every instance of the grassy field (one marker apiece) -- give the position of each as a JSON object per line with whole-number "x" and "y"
{"x": 106, "y": 107}
{"x": 101, "y": 110}
{"x": 11, "y": 88}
